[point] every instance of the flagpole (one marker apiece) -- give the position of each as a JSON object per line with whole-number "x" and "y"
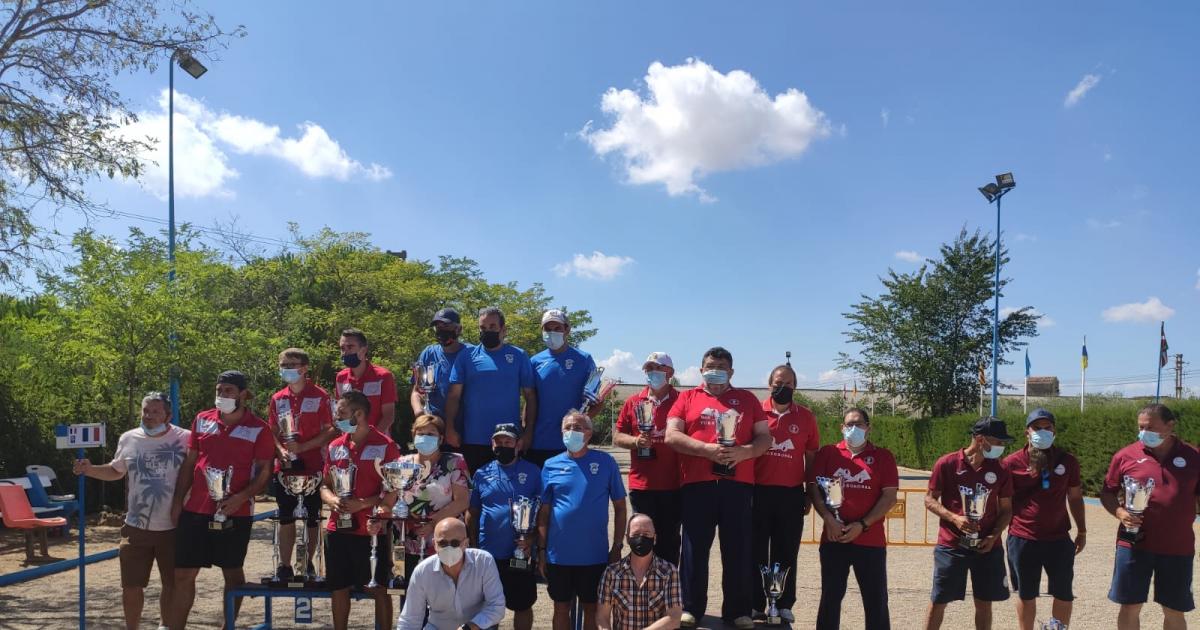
{"x": 1025, "y": 400}
{"x": 1158, "y": 382}
{"x": 1083, "y": 377}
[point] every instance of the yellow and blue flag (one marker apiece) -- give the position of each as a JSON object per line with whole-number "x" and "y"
{"x": 1083, "y": 360}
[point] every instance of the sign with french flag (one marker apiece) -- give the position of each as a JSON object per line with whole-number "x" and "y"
{"x": 91, "y": 435}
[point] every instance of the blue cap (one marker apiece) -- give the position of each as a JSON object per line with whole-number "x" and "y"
{"x": 506, "y": 428}
{"x": 448, "y": 316}
{"x": 1041, "y": 413}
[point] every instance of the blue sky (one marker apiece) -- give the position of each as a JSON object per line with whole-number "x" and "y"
{"x": 455, "y": 128}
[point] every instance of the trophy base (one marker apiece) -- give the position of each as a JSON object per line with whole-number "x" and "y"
{"x": 397, "y": 586}
{"x": 969, "y": 543}
{"x": 646, "y": 453}
{"x": 1130, "y": 537}
{"x": 219, "y": 526}
{"x": 520, "y": 564}
{"x": 721, "y": 470}
{"x": 774, "y": 621}
{"x": 345, "y": 523}
{"x": 293, "y": 583}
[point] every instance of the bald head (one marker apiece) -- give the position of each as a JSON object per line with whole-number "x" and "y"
{"x": 641, "y": 525}
{"x": 450, "y": 529}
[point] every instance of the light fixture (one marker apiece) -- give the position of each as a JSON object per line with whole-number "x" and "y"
{"x": 1005, "y": 180}
{"x": 191, "y": 65}
{"x": 991, "y": 191}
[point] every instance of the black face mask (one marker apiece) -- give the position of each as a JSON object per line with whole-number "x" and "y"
{"x": 446, "y": 337}
{"x": 782, "y": 394}
{"x": 641, "y": 545}
{"x": 489, "y": 338}
{"x": 505, "y": 454}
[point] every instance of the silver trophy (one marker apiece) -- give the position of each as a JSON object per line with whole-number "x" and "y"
{"x": 524, "y": 519}
{"x": 1053, "y": 624}
{"x": 644, "y": 414}
{"x": 1137, "y": 499}
{"x": 595, "y": 389}
{"x": 974, "y": 505}
{"x": 399, "y": 476}
{"x": 219, "y": 481}
{"x": 424, "y": 379}
{"x": 773, "y": 580}
{"x": 374, "y": 560}
{"x": 343, "y": 487}
{"x": 831, "y": 487}
{"x": 289, "y": 427}
{"x": 299, "y": 486}
{"x": 726, "y": 435}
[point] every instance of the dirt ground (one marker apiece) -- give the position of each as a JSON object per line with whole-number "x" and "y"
{"x": 51, "y": 602}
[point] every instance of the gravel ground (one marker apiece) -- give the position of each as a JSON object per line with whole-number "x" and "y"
{"x": 50, "y": 602}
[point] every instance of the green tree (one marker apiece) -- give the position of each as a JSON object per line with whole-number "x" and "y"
{"x": 929, "y": 331}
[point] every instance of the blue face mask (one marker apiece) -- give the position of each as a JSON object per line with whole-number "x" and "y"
{"x": 156, "y": 431}
{"x": 855, "y": 436}
{"x": 1041, "y": 439}
{"x": 345, "y": 425}
{"x": 351, "y": 360}
{"x": 573, "y": 440}
{"x": 715, "y": 377}
{"x": 426, "y": 444}
{"x": 656, "y": 379}
{"x": 1150, "y": 438}
{"x": 289, "y": 375}
{"x": 553, "y": 340}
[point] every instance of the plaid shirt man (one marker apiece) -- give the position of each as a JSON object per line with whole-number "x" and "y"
{"x": 635, "y": 606}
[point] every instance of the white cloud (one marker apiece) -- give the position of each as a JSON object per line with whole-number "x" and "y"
{"x": 598, "y": 266}
{"x": 1021, "y": 236}
{"x": 885, "y": 115}
{"x": 202, "y": 167}
{"x": 622, "y": 365}
{"x": 909, "y": 256}
{"x": 1081, "y": 89}
{"x": 1152, "y": 310}
{"x": 690, "y": 376}
{"x": 694, "y": 121}
{"x": 1101, "y": 224}
{"x": 1044, "y": 322}
{"x": 833, "y": 375}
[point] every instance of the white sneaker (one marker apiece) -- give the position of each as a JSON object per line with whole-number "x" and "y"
{"x": 743, "y": 623}
{"x": 786, "y": 615}
{"x": 687, "y": 620}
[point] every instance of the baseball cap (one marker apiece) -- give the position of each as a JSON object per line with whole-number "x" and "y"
{"x": 554, "y": 315}
{"x": 232, "y": 377}
{"x": 1040, "y": 413}
{"x": 506, "y": 428}
{"x": 661, "y": 358}
{"x": 448, "y": 316}
{"x": 990, "y": 426}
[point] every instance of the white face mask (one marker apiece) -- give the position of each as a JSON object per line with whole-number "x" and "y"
{"x": 450, "y": 556}
{"x": 553, "y": 340}
{"x": 855, "y": 436}
{"x": 993, "y": 452}
{"x": 226, "y": 405}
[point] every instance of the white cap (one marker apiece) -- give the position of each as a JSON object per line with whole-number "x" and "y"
{"x": 661, "y": 358}
{"x": 554, "y": 315}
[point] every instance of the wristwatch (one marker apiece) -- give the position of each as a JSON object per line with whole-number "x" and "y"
{"x": 863, "y": 522}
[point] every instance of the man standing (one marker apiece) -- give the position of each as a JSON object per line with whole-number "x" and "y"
{"x": 495, "y": 488}
{"x": 1164, "y": 546}
{"x": 577, "y": 487}
{"x": 711, "y": 501}
{"x": 447, "y": 327}
{"x": 360, "y": 375}
{"x": 559, "y": 374}
{"x": 307, "y": 406}
{"x": 1045, "y": 482}
{"x": 653, "y": 480}
{"x": 854, "y": 537}
{"x": 488, "y": 381}
{"x": 976, "y": 467}
{"x": 349, "y": 552}
{"x": 229, "y": 439}
{"x": 641, "y": 590}
{"x": 150, "y": 455}
{"x": 457, "y": 588}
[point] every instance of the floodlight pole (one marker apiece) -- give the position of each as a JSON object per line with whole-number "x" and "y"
{"x": 996, "y": 312}
{"x": 174, "y": 368}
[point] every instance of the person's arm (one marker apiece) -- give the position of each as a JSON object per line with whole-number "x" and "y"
{"x": 543, "y": 531}
{"x": 604, "y": 616}
{"x": 453, "y": 400}
{"x": 103, "y": 472}
{"x": 623, "y": 429}
{"x": 685, "y": 444}
{"x": 416, "y": 402}
{"x": 387, "y": 415}
{"x": 531, "y": 407}
{"x": 492, "y": 612}
{"x": 761, "y": 443}
{"x": 473, "y": 526}
{"x": 669, "y": 622}
{"x": 619, "y": 518}
{"x": 604, "y": 598}
{"x": 1075, "y": 504}
{"x": 1003, "y": 518}
{"x": 933, "y": 503}
{"x": 412, "y": 616}
{"x": 1108, "y": 499}
{"x": 183, "y": 483}
{"x": 887, "y": 499}
{"x": 460, "y": 500}
{"x": 257, "y": 485}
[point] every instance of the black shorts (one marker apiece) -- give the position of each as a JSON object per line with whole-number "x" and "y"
{"x": 1027, "y": 558}
{"x": 287, "y": 505}
{"x": 520, "y": 586}
{"x": 348, "y": 560}
{"x": 565, "y": 582}
{"x": 197, "y": 546}
{"x": 1133, "y": 569}
{"x": 989, "y": 582}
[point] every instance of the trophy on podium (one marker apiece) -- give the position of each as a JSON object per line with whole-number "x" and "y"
{"x": 726, "y": 435}
{"x": 219, "y": 481}
{"x": 424, "y": 379}
{"x": 644, "y": 414}
{"x": 524, "y": 518}
{"x": 831, "y": 488}
{"x": 343, "y": 487}
{"x": 289, "y": 428}
{"x": 398, "y": 476}
{"x": 596, "y": 389}
{"x": 299, "y": 486}
{"x": 974, "y": 502}
{"x": 1137, "y": 498}
{"x": 773, "y": 580}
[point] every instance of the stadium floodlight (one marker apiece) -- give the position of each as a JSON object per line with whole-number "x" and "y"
{"x": 991, "y": 191}
{"x": 190, "y": 64}
{"x": 1005, "y": 181}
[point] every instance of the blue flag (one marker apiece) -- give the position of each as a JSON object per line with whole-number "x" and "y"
{"x": 1027, "y": 363}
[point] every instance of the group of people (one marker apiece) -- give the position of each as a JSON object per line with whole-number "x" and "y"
{"x": 498, "y": 428}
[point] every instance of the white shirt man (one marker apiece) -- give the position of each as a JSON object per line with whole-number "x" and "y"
{"x": 459, "y": 587}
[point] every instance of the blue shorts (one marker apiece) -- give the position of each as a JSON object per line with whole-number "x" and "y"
{"x": 989, "y": 583}
{"x": 1172, "y": 579}
{"x": 1026, "y": 560}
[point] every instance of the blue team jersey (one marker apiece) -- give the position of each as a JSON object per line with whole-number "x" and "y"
{"x": 492, "y": 381}
{"x": 559, "y": 381}
{"x": 578, "y": 491}
{"x": 492, "y": 488}
{"x": 434, "y": 354}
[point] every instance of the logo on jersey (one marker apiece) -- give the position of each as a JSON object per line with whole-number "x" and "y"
{"x": 783, "y": 446}
{"x": 347, "y": 386}
{"x": 374, "y": 451}
{"x": 870, "y": 459}
{"x": 1179, "y": 462}
{"x": 735, "y": 402}
{"x": 509, "y": 358}
{"x": 1060, "y": 470}
{"x": 594, "y": 467}
{"x": 205, "y": 426}
{"x": 339, "y": 452}
{"x": 569, "y": 363}
{"x": 990, "y": 477}
{"x": 374, "y": 388}
{"x": 310, "y": 405}
{"x": 793, "y": 429}
{"x": 521, "y": 477}
{"x": 863, "y": 475}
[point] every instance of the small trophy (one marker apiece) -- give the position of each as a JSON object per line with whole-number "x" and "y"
{"x": 773, "y": 580}
{"x": 644, "y": 413}
{"x": 398, "y": 476}
{"x": 219, "y": 481}
{"x": 299, "y": 486}
{"x": 524, "y": 516}
{"x": 831, "y": 487}
{"x": 596, "y": 389}
{"x": 1053, "y": 624}
{"x": 343, "y": 487}
{"x": 974, "y": 503}
{"x": 289, "y": 428}
{"x": 424, "y": 379}
{"x": 726, "y": 435}
{"x": 1137, "y": 498}
{"x": 374, "y": 560}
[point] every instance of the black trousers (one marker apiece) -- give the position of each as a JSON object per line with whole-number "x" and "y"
{"x": 778, "y": 526}
{"x": 707, "y": 506}
{"x": 663, "y": 507}
{"x": 870, "y": 569}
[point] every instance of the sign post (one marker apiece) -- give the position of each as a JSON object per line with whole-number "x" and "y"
{"x": 80, "y": 437}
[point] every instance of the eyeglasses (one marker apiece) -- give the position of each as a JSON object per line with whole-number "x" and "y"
{"x": 448, "y": 543}
{"x": 290, "y": 366}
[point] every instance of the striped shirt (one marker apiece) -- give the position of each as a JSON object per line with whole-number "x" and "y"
{"x": 634, "y": 605}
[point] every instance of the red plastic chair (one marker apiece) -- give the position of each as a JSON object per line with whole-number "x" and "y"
{"x": 18, "y": 514}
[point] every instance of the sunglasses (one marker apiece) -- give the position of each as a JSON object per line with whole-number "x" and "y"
{"x": 448, "y": 543}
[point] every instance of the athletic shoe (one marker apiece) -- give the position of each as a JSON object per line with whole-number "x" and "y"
{"x": 687, "y": 620}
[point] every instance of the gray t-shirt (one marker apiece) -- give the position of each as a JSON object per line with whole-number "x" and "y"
{"x": 151, "y": 465}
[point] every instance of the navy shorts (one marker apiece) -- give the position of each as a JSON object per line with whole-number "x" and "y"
{"x": 1172, "y": 579}
{"x": 566, "y": 582}
{"x": 1026, "y": 560}
{"x": 520, "y": 586}
{"x": 197, "y": 546}
{"x": 989, "y": 583}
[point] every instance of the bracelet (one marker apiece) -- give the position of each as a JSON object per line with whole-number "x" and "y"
{"x": 863, "y": 522}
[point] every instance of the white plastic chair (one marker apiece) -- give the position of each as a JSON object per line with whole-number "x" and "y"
{"x": 49, "y": 480}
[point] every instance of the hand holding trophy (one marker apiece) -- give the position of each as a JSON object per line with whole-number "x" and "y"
{"x": 644, "y": 415}
{"x": 726, "y": 435}
{"x": 1137, "y": 499}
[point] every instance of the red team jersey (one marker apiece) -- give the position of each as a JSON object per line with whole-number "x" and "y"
{"x": 368, "y": 457}
{"x": 312, "y": 410}
{"x": 662, "y": 472}
{"x": 864, "y": 476}
{"x": 952, "y": 471}
{"x": 376, "y": 383}
{"x": 1041, "y": 513}
{"x": 793, "y": 433}
{"x": 1167, "y": 521}
{"x": 220, "y": 446}
{"x": 699, "y": 409}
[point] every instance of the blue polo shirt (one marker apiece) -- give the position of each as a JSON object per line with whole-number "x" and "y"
{"x": 434, "y": 354}
{"x": 492, "y": 489}
{"x": 559, "y": 381}
{"x": 492, "y": 381}
{"x": 578, "y": 491}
